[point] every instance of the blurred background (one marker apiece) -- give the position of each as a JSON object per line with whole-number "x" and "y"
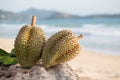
{"x": 97, "y": 20}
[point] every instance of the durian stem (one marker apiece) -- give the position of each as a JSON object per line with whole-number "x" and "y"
{"x": 80, "y": 37}
{"x": 33, "y": 21}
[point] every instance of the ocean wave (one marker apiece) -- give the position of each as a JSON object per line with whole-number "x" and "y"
{"x": 87, "y": 29}
{"x": 102, "y": 30}
{"x": 91, "y": 29}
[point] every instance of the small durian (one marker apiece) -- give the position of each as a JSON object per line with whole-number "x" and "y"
{"x": 61, "y": 47}
{"x": 29, "y": 44}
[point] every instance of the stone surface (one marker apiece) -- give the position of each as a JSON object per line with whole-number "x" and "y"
{"x": 38, "y": 72}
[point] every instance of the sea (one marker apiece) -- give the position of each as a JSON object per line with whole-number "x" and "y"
{"x": 99, "y": 34}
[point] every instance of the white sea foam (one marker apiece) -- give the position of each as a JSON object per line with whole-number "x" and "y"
{"x": 91, "y": 29}
{"x": 98, "y": 30}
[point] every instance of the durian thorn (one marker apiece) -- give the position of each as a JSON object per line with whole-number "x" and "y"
{"x": 80, "y": 37}
{"x": 33, "y": 21}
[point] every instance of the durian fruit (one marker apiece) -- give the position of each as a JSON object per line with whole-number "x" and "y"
{"x": 29, "y": 44}
{"x": 61, "y": 47}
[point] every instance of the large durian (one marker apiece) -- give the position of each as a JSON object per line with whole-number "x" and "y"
{"x": 29, "y": 44}
{"x": 61, "y": 47}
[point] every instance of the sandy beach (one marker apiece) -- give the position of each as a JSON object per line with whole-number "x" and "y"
{"x": 89, "y": 65}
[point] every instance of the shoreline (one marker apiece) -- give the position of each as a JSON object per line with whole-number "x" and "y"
{"x": 111, "y": 53}
{"x": 89, "y": 64}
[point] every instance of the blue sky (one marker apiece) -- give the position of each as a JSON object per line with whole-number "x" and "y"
{"x": 79, "y": 7}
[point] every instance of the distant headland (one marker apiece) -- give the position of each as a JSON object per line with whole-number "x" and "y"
{"x": 47, "y": 15}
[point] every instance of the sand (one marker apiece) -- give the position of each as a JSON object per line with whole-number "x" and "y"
{"x": 89, "y": 65}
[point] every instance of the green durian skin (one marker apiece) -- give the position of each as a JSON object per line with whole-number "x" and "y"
{"x": 28, "y": 45}
{"x": 61, "y": 47}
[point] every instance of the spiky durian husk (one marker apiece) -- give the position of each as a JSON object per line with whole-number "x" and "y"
{"x": 61, "y": 47}
{"x": 28, "y": 45}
